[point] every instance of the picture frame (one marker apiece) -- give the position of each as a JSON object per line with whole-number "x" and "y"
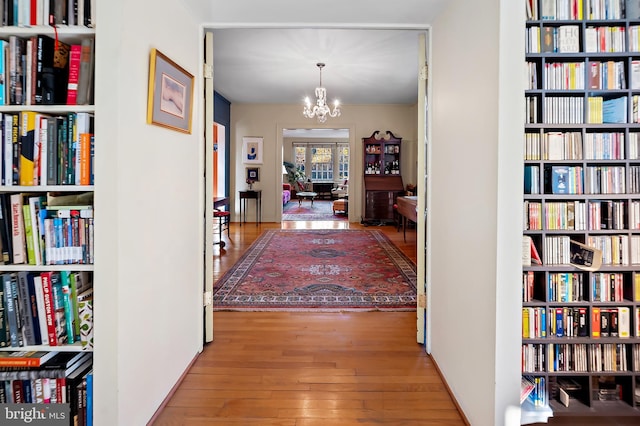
{"x": 252, "y": 150}
{"x": 170, "y": 102}
{"x": 253, "y": 173}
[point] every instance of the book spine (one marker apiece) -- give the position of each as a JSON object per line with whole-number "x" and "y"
{"x": 85, "y": 158}
{"x": 5, "y": 340}
{"x": 67, "y": 306}
{"x": 52, "y": 151}
{"x": 40, "y": 308}
{"x": 85, "y": 80}
{"x": 18, "y": 232}
{"x": 11, "y": 310}
{"x": 5, "y": 229}
{"x": 28, "y": 232}
{"x": 47, "y": 291}
{"x": 27, "y": 147}
{"x": 25, "y": 309}
{"x": 58, "y": 309}
{"x": 74, "y": 74}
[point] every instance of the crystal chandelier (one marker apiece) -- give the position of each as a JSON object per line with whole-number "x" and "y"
{"x": 320, "y": 109}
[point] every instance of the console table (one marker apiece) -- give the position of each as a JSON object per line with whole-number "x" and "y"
{"x": 250, "y": 195}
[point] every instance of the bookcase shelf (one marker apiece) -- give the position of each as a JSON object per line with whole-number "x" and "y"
{"x": 57, "y": 242}
{"x": 581, "y": 165}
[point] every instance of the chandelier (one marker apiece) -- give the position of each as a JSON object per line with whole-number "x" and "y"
{"x": 320, "y": 109}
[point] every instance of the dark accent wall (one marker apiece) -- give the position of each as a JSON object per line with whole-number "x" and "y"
{"x": 222, "y": 115}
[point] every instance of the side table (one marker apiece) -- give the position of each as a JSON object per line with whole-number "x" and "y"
{"x": 250, "y": 195}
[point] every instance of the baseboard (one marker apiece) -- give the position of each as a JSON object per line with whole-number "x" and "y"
{"x": 173, "y": 390}
{"x": 446, "y": 385}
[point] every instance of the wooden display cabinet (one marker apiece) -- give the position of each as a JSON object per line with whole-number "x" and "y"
{"x": 382, "y": 178}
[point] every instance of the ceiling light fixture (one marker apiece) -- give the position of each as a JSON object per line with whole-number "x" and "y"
{"x": 320, "y": 109}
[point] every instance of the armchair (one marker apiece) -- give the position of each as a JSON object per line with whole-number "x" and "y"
{"x": 340, "y": 190}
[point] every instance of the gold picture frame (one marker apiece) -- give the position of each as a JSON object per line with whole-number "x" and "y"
{"x": 170, "y": 102}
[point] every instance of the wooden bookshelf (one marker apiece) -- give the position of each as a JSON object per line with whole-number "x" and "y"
{"x": 581, "y": 160}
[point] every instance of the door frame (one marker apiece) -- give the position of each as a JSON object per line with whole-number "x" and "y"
{"x": 423, "y": 255}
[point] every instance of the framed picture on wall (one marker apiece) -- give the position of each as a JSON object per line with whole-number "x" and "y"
{"x": 253, "y": 173}
{"x": 170, "y": 94}
{"x": 252, "y": 150}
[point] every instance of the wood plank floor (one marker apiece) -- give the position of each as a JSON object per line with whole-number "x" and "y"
{"x": 310, "y": 369}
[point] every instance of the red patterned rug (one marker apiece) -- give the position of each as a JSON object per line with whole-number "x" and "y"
{"x": 324, "y": 269}
{"x": 321, "y": 210}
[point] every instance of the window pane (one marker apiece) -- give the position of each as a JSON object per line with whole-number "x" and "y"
{"x": 300, "y": 153}
{"x": 321, "y": 163}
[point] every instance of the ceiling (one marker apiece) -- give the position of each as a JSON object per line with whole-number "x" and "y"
{"x": 363, "y": 66}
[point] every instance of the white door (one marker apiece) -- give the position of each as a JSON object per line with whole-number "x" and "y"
{"x": 422, "y": 228}
{"x": 209, "y": 190}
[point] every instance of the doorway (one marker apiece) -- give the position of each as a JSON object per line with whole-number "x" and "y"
{"x": 318, "y": 163}
{"x": 265, "y": 95}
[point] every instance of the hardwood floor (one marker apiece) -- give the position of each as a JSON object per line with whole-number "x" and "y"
{"x": 310, "y": 369}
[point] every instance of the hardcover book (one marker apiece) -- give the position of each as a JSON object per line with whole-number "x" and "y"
{"x": 52, "y": 77}
{"x": 25, "y": 358}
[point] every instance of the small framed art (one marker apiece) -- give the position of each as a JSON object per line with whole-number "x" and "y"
{"x": 170, "y": 101}
{"x": 253, "y": 174}
{"x": 252, "y": 150}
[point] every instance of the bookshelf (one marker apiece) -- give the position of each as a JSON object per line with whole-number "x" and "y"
{"x": 382, "y": 178}
{"x": 581, "y": 327}
{"x": 47, "y": 166}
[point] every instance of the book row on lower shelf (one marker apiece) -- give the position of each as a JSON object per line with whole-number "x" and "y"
{"x": 580, "y": 287}
{"x": 580, "y": 321}
{"x": 53, "y": 308}
{"x": 62, "y": 378}
{"x": 577, "y": 179}
{"x": 580, "y": 357}
{"x": 36, "y": 230}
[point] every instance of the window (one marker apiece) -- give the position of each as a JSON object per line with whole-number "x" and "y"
{"x": 329, "y": 162}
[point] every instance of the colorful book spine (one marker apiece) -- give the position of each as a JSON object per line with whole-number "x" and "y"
{"x": 74, "y": 74}
{"x": 27, "y": 147}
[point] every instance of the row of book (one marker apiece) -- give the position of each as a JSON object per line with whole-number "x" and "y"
{"x": 40, "y": 70}
{"x": 36, "y": 231}
{"x": 572, "y": 287}
{"x": 592, "y": 75}
{"x": 570, "y": 146}
{"x": 27, "y": 13}
{"x": 577, "y": 357}
{"x": 566, "y": 179}
{"x": 579, "y": 321}
{"x": 62, "y": 378}
{"x": 566, "y": 39}
{"x": 52, "y": 308}
{"x": 42, "y": 149}
{"x": 613, "y": 249}
{"x": 574, "y": 9}
{"x": 595, "y": 215}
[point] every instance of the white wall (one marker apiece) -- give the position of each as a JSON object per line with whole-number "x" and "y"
{"x": 149, "y": 204}
{"x": 149, "y": 209}
{"x": 476, "y": 209}
{"x": 266, "y": 121}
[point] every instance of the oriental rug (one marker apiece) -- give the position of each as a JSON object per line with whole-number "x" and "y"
{"x": 319, "y": 270}
{"x": 321, "y": 210}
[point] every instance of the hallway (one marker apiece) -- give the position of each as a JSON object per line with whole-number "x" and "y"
{"x": 308, "y": 369}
